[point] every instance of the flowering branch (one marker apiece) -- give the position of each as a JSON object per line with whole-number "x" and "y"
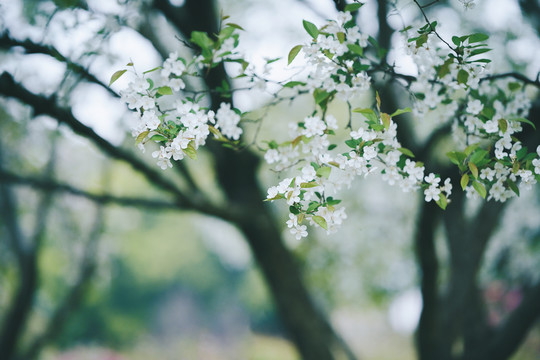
{"x": 48, "y": 106}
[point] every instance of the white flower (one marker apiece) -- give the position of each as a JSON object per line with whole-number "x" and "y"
{"x": 536, "y": 164}
{"x": 308, "y": 173}
{"x": 299, "y": 231}
{"x": 173, "y": 66}
{"x": 151, "y": 119}
{"x": 362, "y": 81}
{"x": 416, "y": 172}
{"x": 227, "y": 121}
{"x": 487, "y": 173}
{"x": 139, "y": 84}
{"x": 431, "y": 179}
{"x": 370, "y": 152}
{"x": 314, "y": 126}
{"x": 527, "y": 179}
{"x": 163, "y": 155}
{"x": 176, "y": 84}
{"x": 392, "y": 157}
{"x": 272, "y": 156}
{"x": 391, "y": 175}
{"x": 447, "y": 188}
{"x": 357, "y": 134}
{"x": 147, "y": 102}
{"x": 331, "y": 122}
{"x": 293, "y": 221}
{"x": 272, "y": 192}
{"x": 474, "y": 107}
{"x": 432, "y": 193}
{"x": 491, "y": 126}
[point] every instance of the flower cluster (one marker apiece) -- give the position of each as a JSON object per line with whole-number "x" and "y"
{"x": 167, "y": 116}
{"x": 335, "y": 56}
{"x": 487, "y": 113}
{"x": 373, "y": 148}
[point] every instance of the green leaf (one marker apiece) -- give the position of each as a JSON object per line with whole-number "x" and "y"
{"x": 307, "y": 185}
{"x": 141, "y": 137}
{"x": 236, "y": 26}
{"x": 385, "y": 120}
{"x": 291, "y": 84}
{"x": 312, "y": 206}
{"x": 269, "y": 61}
{"x": 351, "y": 143}
{"x": 202, "y": 40}
{"x": 474, "y": 170}
{"x": 442, "y": 202}
{"x": 469, "y": 149}
{"x": 341, "y": 37}
{"x": 357, "y": 49}
{"x": 421, "y": 40}
{"x": 464, "y": 181}
{"x": 353, "y": 7}
{"x": 488, "y": 112}
{"x": 294, "y": 210}
{"x": 513, "y": 86}
{"x": 164, "y": 90}
{"x": 320, "y": 96}
{"x": 512, "y": 185}
{"x": 406, "y": 152}
{"x": 521, "y": 153}
{"x": 480, "y": 188}
{"x": 292, "y": 54}
{"x": 526, "y": 121}
{"x": 478, "y": 155}
{"x": 456, "y": 40}
{"x": 478, "y": 37}
{"x": 445, "y": 68}
{"x": 479, "y": 51}
{"x": 457, "y": 158}
{"x": 158, "y": 137}
{"x": 331, "y": 201}
{"x": 462, "y": 76}
{"x": 503, "y": 125}
{"x": 277, "y": 197}
{"x": 368, "y": 113}
{"x": 190, "y": 151}
{"x": 319, "y": 220}
{"x": 116, "y": 76}
{"x": 151, "y": 70}
{"x": 401, "y": 111}
{"x": 311, "y": 29}
{"x": 324, "y": 171}
{"x": 515, "y": 167}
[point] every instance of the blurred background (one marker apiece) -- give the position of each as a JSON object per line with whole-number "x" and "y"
{"x": 104, "y": 256}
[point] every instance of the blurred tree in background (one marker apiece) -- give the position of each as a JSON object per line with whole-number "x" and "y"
{"x": 99, "y": 245}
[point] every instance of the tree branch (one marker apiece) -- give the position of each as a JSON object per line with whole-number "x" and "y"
{"x": 30, "y": 47}
{"x": 48, "y": 106}
{"x": 45, "y": 184}
{"x": 517, "y": 76}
